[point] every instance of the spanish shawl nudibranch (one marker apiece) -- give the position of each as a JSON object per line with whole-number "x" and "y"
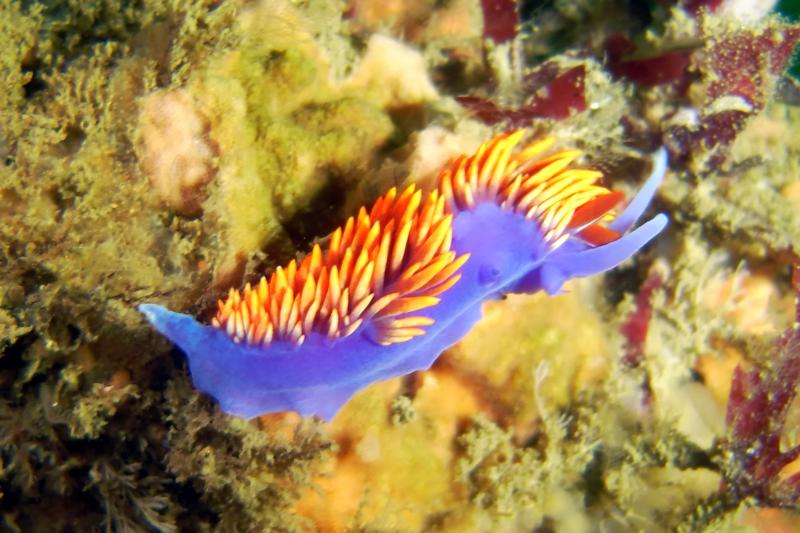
{"x": 402, "y": 282}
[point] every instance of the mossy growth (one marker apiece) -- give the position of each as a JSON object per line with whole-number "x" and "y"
{"x": 391, "y": 470}
{"x": 588, "y": 467}
{"x": 98, "y": 421}
{"x": 249, "y": 477}
{"x": 85, "y": 427}
{"x": 291, "y": 136}
{"x": 503, "y": 351}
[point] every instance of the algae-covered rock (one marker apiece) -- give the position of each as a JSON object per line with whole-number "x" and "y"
{"x": 167, "y": 151}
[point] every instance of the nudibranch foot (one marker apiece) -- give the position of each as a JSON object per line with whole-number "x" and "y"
{"x": 403, "y": 281}
{"x": 316, "y": 378}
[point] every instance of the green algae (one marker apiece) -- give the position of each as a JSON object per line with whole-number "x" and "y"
{"x": 288, "y": 136}
{"x": 271, "y": 469}
{"x": 502, "y": 352}
{"x": 754, "y": 210}
{"x": 405, "y": 455}
{"x": 598, "y": 460}
{"x": 402, "y": 410}
{"x": 82, "y": 241}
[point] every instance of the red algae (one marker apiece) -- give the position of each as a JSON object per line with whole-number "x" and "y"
{"x": 657, "y": 69}
{"x": 756, "y": 417}
{"x": 500, "y": 20}
{"x": 739, "y": 68}
{"x": 554, "y": 93}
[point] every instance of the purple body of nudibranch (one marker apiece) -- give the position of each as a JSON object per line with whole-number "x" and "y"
{"x": 508, "y": 254}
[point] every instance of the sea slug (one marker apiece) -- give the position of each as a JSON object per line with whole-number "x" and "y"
{"x": 402, "y": 282}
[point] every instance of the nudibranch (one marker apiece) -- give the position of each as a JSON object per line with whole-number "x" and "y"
{"x": 400, "y": 283}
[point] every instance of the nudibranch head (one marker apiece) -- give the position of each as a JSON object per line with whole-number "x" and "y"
{"x": 403, "y": 281}
{"x": 560, "y": 200}
{"x": 577, "y": 230}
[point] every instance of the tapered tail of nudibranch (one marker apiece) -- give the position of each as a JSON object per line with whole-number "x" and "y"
{"x": 404, "y": 280}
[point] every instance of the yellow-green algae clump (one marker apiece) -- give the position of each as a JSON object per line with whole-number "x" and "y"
{"x": 285, "y": 134}
{"x": 85, "y": 237}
